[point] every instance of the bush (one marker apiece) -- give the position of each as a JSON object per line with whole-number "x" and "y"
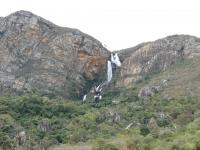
{"x": 104, "y": 145}
{"x": 175, "y": 147}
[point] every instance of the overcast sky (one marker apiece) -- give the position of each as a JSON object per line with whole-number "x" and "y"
{"x": 118, "y": 24}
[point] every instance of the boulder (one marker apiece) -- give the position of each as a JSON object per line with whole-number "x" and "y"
{"x": 44, "y": 125}
{"x": 148, "y": 91}
{"x": 21, "y": 138}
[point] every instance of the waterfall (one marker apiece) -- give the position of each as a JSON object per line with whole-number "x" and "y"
{"x": 84, "y": 98}
{"x": 117, "y": 61}
{"x": 112, "y": 58}
{"x": 109, "y": 71}
{"x": 98, "y": 88}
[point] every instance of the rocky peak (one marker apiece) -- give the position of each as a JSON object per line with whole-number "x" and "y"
{"x": 26, "y": 18}
{"x": 35, "y": 53}
{"x": 152, "y": 57}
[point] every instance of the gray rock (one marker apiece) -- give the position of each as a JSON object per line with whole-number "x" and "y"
{"x": 35, "y": 53}
{"x": 21, "y": 138}
{"x": 152, "y": 124}
{"x": 110, "y": 116}
{"x": 44, "y": 125}
{"x": 147, "y": 91}
{"x": 153, "y": 57}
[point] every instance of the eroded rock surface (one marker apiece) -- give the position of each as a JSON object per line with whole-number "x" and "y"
{"x": 37, "y": 53}
{"x": 152, "y": 57}
{"x": 147, "y": 91}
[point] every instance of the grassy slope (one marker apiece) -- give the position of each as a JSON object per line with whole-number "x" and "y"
{"x": 183, "y": 79}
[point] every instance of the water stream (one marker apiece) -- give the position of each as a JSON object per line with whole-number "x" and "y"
{"x": 109, "y": 71}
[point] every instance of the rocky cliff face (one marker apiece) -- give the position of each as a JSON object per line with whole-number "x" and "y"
{"x": 37, "y": 53}
{"x": 152, "y": 57}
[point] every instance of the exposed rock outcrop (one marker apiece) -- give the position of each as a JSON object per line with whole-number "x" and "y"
{"x": 110, "y": 116}
{"x": 21, "y": 138}
{"x": 152, "y": 124}
{"x": 151, "y": 57}
{"x": 44, "y": 125}
{"x": 37, "y": 53}
{"x": 146, "y": 92}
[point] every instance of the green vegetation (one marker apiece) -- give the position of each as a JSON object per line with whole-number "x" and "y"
{"x": 178, "y": 121}
{"x": 157, "y": 123}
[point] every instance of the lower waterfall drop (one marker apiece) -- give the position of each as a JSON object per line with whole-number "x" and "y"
{"x": 109, "y": 71}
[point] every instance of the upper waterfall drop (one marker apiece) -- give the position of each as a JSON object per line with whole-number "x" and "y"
{"x": 115, "y": 59}
{"x": 109, "y": 71}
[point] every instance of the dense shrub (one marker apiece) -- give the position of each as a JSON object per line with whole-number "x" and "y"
{"x": 72, "y": 122}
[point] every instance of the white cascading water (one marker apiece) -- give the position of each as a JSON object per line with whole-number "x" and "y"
{"x": 84, "y": 98}
{"x": 117, "y": 61}
{"x": 109, "y": 71}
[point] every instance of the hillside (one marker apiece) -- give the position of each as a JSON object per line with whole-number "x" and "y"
{"x": 37, "y": 54}
{"x": 152, "y": 57}
{"x": 151, "y": 103}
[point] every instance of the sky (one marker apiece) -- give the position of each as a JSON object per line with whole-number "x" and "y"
{"x": 118, "y": 24}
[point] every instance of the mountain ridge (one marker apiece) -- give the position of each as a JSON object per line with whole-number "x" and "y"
{"x": 36, "y": 53}
{"x": 29, "y": 41}
{"x": 152, "y": 101}
{"x": 156, "y": 56}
